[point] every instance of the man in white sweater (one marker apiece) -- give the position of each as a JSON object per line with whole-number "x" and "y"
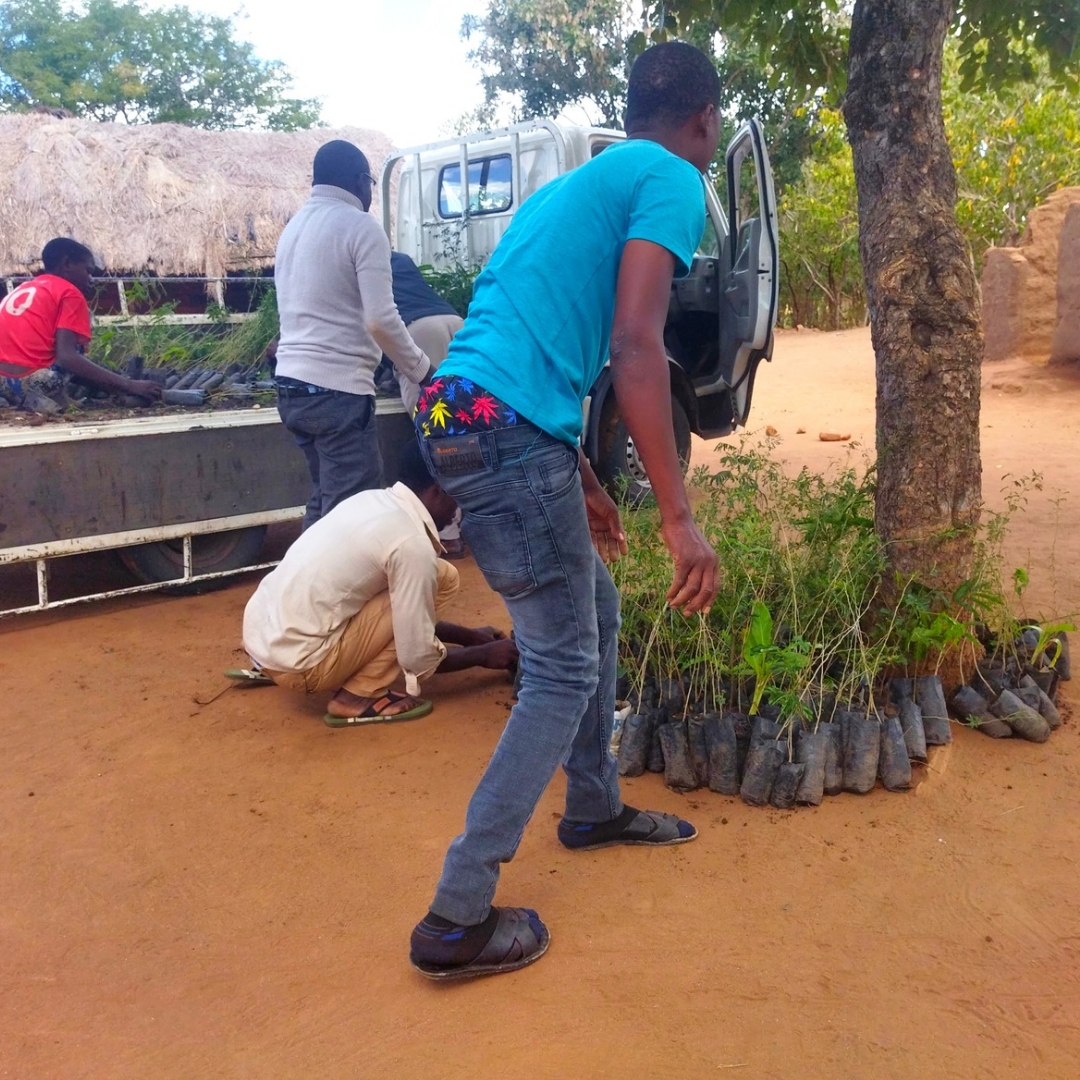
{"x": 336, "y": 304}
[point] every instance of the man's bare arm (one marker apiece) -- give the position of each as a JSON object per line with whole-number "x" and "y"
{"x": 452, "y": 634}
{"x": 639, "y": 369}
{"x": 72, "y": 361}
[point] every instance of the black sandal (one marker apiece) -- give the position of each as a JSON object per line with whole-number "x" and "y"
{"x": 645, "y": 828}
{"x": 520, "y": 939}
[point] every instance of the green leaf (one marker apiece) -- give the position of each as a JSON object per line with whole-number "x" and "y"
{"x": 1020, "y": 580}
{"x": 759, "y": 634}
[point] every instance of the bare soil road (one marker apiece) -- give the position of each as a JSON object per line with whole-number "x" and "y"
{"x": 226, "y": 890}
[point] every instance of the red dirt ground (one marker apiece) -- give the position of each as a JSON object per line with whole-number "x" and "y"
{"x": 227, "y": 889}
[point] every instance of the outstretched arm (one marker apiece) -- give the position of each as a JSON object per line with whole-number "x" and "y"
{"x": 483, "y": 647}
{"x": 452, "y": 634}
{"x": 500, "y": 655}
{"x": 639, "y": 369}
{"x": 72, "y": 361}
{"x": 380, "y": 312}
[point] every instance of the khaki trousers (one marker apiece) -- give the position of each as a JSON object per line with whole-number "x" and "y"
{"x": 433, "y": 335}
{"x": 364, "y": 659}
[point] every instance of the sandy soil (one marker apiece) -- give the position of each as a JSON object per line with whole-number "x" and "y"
{"x": 227, "y": 889}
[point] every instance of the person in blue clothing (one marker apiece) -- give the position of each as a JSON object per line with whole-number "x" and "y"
{"x": 582, "y": 274}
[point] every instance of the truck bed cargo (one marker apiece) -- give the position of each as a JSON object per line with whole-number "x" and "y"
{"x": 194, "y": 491}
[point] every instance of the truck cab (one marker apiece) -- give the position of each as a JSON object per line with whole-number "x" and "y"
{"x": 448, "y": 203}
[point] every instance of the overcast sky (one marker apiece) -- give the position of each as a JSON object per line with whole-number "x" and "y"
{"x": 398, "y": 66}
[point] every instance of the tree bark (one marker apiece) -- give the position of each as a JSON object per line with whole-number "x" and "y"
{"x": 921, "y": 290}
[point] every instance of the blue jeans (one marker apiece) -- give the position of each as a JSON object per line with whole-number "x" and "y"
{"x": 524, "y": 521}
{"x": 11, "y": 390}
{"x": 336, "y": 432}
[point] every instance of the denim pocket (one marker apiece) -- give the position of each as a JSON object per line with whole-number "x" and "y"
{"x": 556, "y": 473}
{"x": 500, "y": 546}
{"x": 366, "y": 410}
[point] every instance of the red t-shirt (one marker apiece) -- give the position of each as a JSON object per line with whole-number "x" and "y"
{"x": 30, "y": 316}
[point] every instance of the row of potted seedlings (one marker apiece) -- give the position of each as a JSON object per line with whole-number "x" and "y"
{"x": 1015, "y": 693}
{"x": 768, "y": 759}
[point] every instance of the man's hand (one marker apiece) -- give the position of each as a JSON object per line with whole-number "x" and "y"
{"x": 484, "y": 635}
{"x": 605, "y": 525}
{"x": 695, "y": 583}
{"x": 499, "y": 655}
{"x": 144, "y": 388}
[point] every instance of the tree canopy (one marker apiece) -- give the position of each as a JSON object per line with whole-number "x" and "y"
{"x": 807, "y": 41}
{"x": 119, "y": 60}
{"x": 547, "y": 54}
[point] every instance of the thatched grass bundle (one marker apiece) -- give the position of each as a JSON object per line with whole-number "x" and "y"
{"x": 158, "y": 198}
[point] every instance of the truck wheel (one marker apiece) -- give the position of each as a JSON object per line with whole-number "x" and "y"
{"x": 164, "y": 561}
{"x": 618, "y": 463}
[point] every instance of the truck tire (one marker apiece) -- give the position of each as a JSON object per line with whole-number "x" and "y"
{"x": 617, "y": 463}
{"x": 164, "y": 560}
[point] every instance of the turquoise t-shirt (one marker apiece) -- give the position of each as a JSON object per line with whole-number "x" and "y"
{"x": 539, "y": 326}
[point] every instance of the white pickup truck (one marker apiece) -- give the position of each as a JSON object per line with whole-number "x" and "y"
{"x": 453, "y": 200}
{"x": 189, "y": 497}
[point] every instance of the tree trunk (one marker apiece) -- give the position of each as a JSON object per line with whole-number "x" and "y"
{"x": 921, "y": 290}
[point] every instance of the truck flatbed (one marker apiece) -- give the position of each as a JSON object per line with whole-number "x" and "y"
{"x": 185, "y": 497}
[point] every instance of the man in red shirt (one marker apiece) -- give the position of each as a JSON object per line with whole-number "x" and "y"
{"x": 46, "y": 320}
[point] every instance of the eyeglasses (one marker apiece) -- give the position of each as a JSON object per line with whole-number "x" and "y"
{"x": 369, "y": 178}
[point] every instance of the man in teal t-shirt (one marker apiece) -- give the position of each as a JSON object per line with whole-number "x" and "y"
{"x": 582, "y": 275}
{"x": 538, "y": 331}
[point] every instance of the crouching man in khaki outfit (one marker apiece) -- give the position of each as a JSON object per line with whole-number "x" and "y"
{"x": 357, "y": 602}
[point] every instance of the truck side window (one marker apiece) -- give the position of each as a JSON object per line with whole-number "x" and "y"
{"x": 489, "y": 187}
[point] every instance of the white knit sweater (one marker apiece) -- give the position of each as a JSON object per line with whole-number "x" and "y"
{"x": 335, "y": 297}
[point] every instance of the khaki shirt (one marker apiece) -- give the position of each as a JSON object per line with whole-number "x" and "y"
{"x": 369, "y": 543}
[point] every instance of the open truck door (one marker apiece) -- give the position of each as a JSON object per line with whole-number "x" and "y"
{"x": 750, "y": 278}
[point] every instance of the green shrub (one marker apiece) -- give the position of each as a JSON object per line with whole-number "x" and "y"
{"x": 217, "y": 345}
{"x": 800, "y": 612}
{"x": 1012, "y": 148}
{"x": 454, "y": 284}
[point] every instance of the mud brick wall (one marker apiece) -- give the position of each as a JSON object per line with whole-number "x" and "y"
{"x": 1031, "y": 302}
{"x": 1066, "y": 344}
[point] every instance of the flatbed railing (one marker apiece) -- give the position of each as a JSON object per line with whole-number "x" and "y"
{"x": 35, "y": 540}
{"x": 214, "y": 286}
{"x": 40, "y": 554}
